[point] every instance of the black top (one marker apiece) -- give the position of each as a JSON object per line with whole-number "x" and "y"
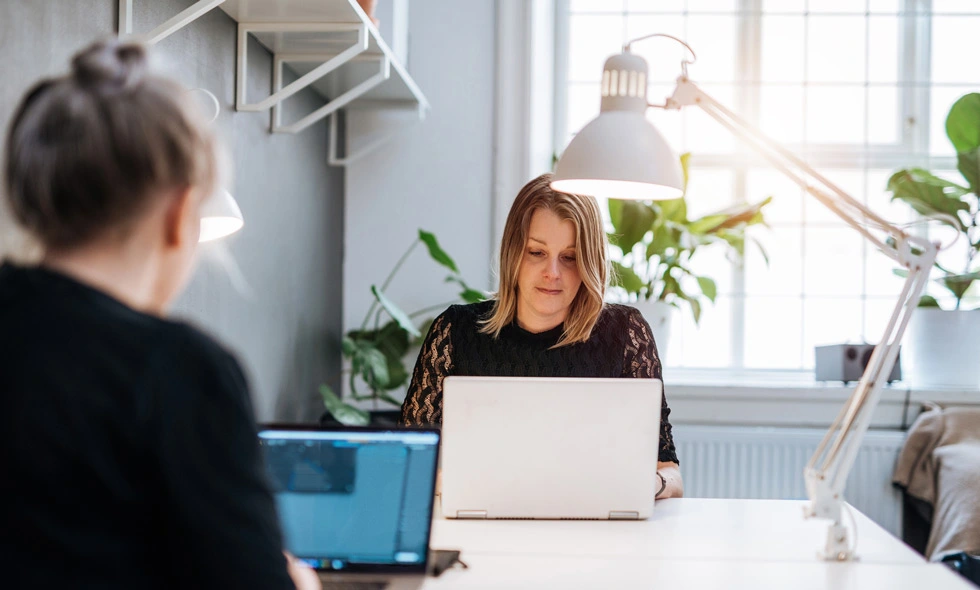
{"x": 128, "y": 449}
{"x": 621, "y": 345}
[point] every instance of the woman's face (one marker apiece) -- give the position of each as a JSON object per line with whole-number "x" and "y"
{"x": 548, "y": 279}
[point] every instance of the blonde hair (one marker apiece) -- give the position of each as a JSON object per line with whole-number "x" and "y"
{"x": 591, "y": 258}
{"x": 87, "y": 152}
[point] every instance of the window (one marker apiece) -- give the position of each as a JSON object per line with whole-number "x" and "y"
{"x": 859, "y": 88}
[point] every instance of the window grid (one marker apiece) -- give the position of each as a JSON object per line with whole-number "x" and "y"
{"x": 911, "y": 146}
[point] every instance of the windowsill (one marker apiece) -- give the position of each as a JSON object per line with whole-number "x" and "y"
{"x": 791, "y": 399}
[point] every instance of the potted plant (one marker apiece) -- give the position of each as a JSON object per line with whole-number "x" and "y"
{"x": 942, "y": 346}
{"x": 375, "y": 352}
{"x": 655, "y": 243}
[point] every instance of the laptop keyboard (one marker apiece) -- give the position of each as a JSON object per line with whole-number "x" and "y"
{"x": 348, "y": 585}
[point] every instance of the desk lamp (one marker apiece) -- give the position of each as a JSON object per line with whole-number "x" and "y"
{"x": 621, "y": 155}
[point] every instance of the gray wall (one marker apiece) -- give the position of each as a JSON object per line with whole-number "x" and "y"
{"x": 271, "y": 292}
{"x": 436, "y": 174}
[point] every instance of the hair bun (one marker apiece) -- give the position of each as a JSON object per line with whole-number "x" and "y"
{"x": 111, "y": 63}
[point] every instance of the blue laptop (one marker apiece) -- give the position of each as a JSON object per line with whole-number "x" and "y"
{"x": 355, "y": 504}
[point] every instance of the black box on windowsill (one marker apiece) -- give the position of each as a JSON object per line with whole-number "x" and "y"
{"x": 847, "y": 362}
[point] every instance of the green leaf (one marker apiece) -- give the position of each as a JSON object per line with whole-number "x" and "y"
{"x": 375, "y": 367}
{"x": 472, "y": 296}
{"x": 963, "y": 123}
{"x": 343, "y": 413}
{"x": 436, "y": 252}
{"x": 969, "y": 166}
{"x": 685, "y": 169}
{"x": 707, "y": 223}
{"x": 663, "y": 239}
{"x": 708, "y": 287}
{"x": 348, "y": 346}
{"x": 627, "y": 279}
{"x": 674, "y": 210}
{"x": 958, "y": 284}
{"x": 635, "y": 220}
{"x": 395, "y": 312}
{"x": 928, "y": 301}
{"x": 739, "y": 216}
{"x": 925, "y": 193}
{"x": 615, "y": 207}
{"x": 695, "y": 309}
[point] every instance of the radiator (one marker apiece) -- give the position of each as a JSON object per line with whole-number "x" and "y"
{"x": 768, "y": 463}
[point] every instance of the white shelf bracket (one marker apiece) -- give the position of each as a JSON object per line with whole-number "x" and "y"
{"x": 384, "y": 72}
{"x": 181, "y": 20}
{"x": 331, "y": 62}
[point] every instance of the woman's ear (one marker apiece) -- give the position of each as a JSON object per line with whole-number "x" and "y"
{"x": 182, "y": 220}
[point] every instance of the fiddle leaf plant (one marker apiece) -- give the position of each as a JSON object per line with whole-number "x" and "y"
{"x": 376, "y": 350}
{"x": 657, "y": 241}
{"x": 953, "y": 204}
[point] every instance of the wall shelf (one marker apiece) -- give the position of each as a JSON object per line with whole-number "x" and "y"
{"x": 331, "y": 45}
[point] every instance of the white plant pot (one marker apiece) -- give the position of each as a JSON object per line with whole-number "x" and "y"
{"x": 942, "y": 349}
{"x": 659, "y": 315}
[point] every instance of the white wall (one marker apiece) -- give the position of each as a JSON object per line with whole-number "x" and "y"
{"x": 436, "y": 174}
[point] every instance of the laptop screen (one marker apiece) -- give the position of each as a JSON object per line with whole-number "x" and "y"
{"x": 354, "y": 500}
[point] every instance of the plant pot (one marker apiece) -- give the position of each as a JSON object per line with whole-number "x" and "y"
{"x": 659, "y": 315}
{"x": 942, "y": 349}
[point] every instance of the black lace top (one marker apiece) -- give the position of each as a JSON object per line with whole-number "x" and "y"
{"x": 621, "y": 345}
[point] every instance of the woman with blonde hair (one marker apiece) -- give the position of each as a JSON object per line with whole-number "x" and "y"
{"x": 130, "y": 457}
{"x": 547, "y": 319}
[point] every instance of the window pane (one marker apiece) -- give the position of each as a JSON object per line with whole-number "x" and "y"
{"x": 836, "y": 50}
{"x": 781, "y": 113}
{"x": 787, "y": 198}
{"x": 835, "y": 114}
{"x": 783, "y": 275}
{"x": 782, "y": 6}
{"x": 830, "y": 321}
{"x": 703, "y": 134}
{"x": 591, "y": 40}
{"x": 663, "y": 56}
{"x": 844, "y": 6}
{"x": 708, "y": 190}
{"x": 884, "y": 121}
{"x": 782, "y": 48}
{"x": 883, "y": 56}
{"x": 880, "y": 279}
{"x": 596, "y": 6}
{"x": 877, "y": 312}
{"x": 583, "y": 105}
{"x": 957, "y": 6}
{"x": 707, "y": 345}
{"x": 833, "y": 261}
{"x": 773, "y": 332}
{"x": 713, "y": 38}
{"x": 713, "y": 262}
{"x": 850, "y": 181}
{"x": 712, "y": 5}
{"x": 655, "y": 6}
{"x": 884, "y": 6}
{"x": 954, "y": 49}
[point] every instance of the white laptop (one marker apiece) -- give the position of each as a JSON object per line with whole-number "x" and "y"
{"x": 355, "y": 504}
{"x": 516, "y": 447}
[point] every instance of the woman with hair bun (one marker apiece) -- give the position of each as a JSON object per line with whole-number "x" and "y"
{"x": 129, "y": 451}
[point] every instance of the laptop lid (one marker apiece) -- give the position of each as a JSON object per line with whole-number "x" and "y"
{"x": 517, "y": 447}
{"x": 354, "y": 500}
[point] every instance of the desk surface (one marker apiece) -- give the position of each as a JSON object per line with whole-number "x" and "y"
{"x": 680, "y": 529}
{"x": 573, "y": 573}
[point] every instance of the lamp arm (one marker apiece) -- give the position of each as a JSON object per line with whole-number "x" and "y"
{"x": 826, "y": 472}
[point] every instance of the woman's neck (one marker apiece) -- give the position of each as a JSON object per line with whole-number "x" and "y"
{"x": 122, "y": 273}
{"x": 537, "y": 324}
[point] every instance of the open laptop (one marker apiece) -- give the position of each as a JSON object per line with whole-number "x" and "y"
{"x": 517, "y": 447}
{"x": 355, "y": 504}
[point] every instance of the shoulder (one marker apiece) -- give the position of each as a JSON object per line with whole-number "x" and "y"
{"x": 619, "y": 316}
{"x": 187, "y": 358}
{"x": 470, "y": 313}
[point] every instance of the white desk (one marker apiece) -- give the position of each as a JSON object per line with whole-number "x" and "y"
{"x": 688, "y": 543}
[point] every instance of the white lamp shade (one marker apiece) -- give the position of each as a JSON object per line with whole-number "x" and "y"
{"x": 220, "y": 216}
{"x": 619, "y": 155}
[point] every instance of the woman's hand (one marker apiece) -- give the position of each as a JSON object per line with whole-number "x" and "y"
{"x": 671, "y": 472}
{"x": 304, "y": 577}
